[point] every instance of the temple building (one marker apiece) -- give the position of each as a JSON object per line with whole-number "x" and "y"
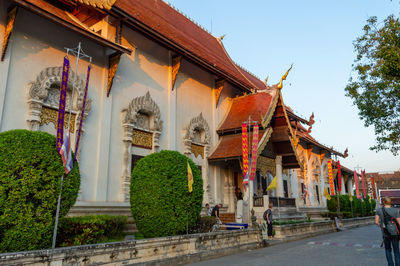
{"x": 158, "y": 82}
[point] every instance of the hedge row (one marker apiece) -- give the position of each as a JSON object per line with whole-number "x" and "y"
{"x": 358, "y": 207}
{"x": 90, "y": 229}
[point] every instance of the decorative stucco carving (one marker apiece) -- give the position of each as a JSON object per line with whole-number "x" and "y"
{"x": 139, "y": 109}
{"x": 45, "y": 93}
{"x": 266, "y": 165}
{"x": 143, "y": 105}
{"x": 198, "y": 133}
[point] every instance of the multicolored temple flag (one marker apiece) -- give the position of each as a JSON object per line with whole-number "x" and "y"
{"x": 245, "y": 149}
{"x": 350, "y": 196}
{"x": 254, "y": 153}
{"x": 326, "y": 194}
{"x": 190, "y": 177}
{"x": 273, "y": 185}
{"x": 61, "y": 106}
{"x": 373, "y": 187}
{"x": 332, "y": 187}
{"x": 66, "y": 154}
{"x": 356, "y": 182}
{"x": 339, "y": 176}
{"x": 245, "y": 180}
{"x": 82, "y": 112}
{"x": 363, "y": 184}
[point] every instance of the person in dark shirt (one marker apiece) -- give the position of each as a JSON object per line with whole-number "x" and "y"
{"x": 382, "y": 219}
{"x": 215, "y": 210}
{"x": 268, "y": 219}
{"x": 240, "y": 195}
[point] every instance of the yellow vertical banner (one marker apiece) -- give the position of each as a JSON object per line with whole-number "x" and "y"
{"x": 332, "y": 187}
{"x": 190, "y": 177}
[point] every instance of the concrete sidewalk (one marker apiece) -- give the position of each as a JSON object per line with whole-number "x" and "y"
{"x": 358, "y": 246}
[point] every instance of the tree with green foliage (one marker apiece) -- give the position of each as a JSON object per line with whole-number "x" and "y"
{"x": 375, "y": 89}
{"x": 30, "y": 171}
{"x": 160, "y": 201}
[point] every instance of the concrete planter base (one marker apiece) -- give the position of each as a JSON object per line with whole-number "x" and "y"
{"x": 157, "y": 251}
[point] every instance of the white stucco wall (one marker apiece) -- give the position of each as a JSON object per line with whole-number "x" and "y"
{"x": 148, "y": 69}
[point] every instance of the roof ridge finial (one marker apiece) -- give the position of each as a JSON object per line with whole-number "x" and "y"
{"x": 220, "y": 38}
{"x": 266, "y": 81}
{"x": 280, "y": 85}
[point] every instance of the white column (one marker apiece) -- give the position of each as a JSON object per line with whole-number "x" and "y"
{"x": 350, "y": 185}
{"x": 343, "y": 191}
{"x": 279, "y": 176}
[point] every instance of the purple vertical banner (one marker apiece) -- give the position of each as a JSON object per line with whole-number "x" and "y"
{"x": 82, "y": 112}
{"x": 61, "y": 107}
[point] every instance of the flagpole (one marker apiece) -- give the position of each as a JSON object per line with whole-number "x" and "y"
{"x": 53, "y": 245}
{"x": 78, "y": 54}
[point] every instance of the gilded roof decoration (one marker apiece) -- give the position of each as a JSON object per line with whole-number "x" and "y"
{"x": 103, "y": 4}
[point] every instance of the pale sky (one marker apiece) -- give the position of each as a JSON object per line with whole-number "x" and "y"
{"x": 266, "y": 36}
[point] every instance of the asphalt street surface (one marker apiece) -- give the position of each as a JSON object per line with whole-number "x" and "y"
{"x": 358, "y": 246}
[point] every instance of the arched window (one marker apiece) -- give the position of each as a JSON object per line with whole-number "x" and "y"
{"x": 142, "y": 125}
{"x": 197, "y": 137}
{"x": 43, "y": 102}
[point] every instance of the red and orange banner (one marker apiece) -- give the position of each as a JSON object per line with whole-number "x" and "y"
{"x": 339, "y": 176}
{"x": 356, "y": 182}
{"x": 373, "y": 187}
{"x": 332, "y": 187}
{"x": 245, "y": 149}
{"x": 254, "y": 153}
{"x": 363, "y": 184}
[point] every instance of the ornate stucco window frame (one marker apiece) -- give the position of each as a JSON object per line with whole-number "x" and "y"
{"x": 197, "y": 123}
{"x": 129, "y": 116}
{"x": 38, "y": 102}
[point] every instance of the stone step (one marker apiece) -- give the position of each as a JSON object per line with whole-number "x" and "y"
{"x": 130, "y": 227}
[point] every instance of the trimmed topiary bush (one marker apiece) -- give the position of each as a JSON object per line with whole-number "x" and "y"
{"x": 160, "y": 202}
{"x": 30, "y": 171}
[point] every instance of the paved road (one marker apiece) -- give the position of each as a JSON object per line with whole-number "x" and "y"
{"x": 358, "y": 246}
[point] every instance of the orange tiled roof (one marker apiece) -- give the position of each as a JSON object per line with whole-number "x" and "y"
{"x": 254, "y": 105}
{"x": 159, "y": 17}
{"x": 230, "y": 146}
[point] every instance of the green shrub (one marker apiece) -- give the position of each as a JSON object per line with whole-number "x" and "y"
{"x": 346, "y": 215}
{"x": 30, "y": 171}
{"x": 360, "y": 208}
{"x": 90, "y": 229}
{"x": 204, "y": 224}
{"x": 344, "y": 203}
{"x": 160, "y": 202}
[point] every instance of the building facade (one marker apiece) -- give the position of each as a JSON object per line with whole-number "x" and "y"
{"x": 156, "y": 84}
